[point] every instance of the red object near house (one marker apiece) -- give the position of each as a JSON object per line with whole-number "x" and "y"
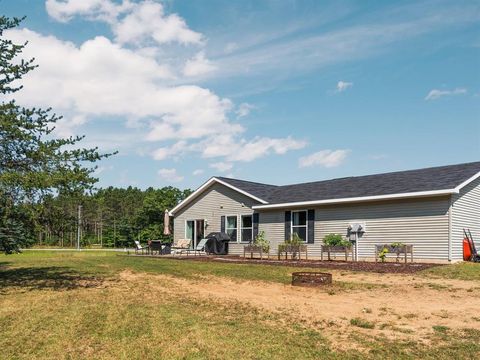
{"x": 467, "y": 249}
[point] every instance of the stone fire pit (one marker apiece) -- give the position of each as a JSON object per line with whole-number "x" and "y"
{"x": 311, "y": 278}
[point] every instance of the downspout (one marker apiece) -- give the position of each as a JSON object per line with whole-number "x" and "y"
{"x": 450, "y": 230}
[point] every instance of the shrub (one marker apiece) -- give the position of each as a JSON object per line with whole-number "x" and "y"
{"x": 295, "y": 240}
{"x": 336, "y": 240}
{"x": 260, "y": 240}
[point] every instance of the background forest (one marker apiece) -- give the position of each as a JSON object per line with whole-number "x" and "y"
{"x": 110, "y": 217}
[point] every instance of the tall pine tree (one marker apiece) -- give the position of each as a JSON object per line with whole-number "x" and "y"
{"x": 33, "y": 163}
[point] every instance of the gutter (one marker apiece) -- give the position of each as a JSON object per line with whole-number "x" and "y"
{"x": 358, "y": 199}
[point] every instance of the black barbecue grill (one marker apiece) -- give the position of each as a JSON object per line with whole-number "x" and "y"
{"x": 217, "y": 243}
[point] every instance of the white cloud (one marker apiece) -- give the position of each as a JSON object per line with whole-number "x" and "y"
{"x": 221, "y": 166}
{"x": 242, "y": 150}
{"x": 66, "y": 127}
{"x": 343, "y": 85}
{"x": 101, "y": 78}
{"x": 170, "y": 175}
{"x": 108, "y": 80}
{"x": 148, "y": 21}
{"x": 231, "y": 148}
{"x": 134, "y": 23}
{"x": 231, "y": 47}
{"x": 166, "y": 152}
{"x": 197, "y": 172}
{"x": 436, "y": 94}
{"x": 104, "y": 10}
{"x": 326, "y": 158}
{"x": 244, "y": 109}
{"x": 198, "y": 66}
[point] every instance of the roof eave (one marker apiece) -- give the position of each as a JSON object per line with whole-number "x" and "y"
{"x": 466, "y": 182}
{"x": 358, "y": 199}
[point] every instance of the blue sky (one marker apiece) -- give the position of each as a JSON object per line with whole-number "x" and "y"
{"x": 270, "y": 91}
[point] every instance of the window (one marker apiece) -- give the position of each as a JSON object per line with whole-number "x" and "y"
{"x": 247, "y": 228}
{"x": 299, "y": 224}
{"x": 231, "y": 227}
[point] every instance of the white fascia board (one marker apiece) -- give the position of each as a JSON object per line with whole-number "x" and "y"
{"x": 206, "y": 185}
{"x": 466, "y": 182}
{"x": 358, "y": 199}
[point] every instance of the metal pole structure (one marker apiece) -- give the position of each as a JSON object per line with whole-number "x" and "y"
{"x": 79, "y": 228}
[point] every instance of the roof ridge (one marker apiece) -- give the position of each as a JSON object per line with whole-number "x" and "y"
{"x": 247, "y": 181}
{"x": 385, "y": 173}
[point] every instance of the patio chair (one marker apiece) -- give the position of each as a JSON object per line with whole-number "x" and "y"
{"x": 139, "y": 247}
{"x": 155, "y": 246}
{"x": 199, "y": 249}
{"x": 180, "y": 246}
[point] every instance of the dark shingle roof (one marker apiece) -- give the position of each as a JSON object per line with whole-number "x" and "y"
{"x": 435, "y": 178}
{"x": 259, "y": 190}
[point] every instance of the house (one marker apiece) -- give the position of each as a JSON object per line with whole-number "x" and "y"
{"x": 427, "y": 208}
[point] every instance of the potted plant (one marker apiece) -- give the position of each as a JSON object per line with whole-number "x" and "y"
{"x": 294, "y": 245}
{"x": 336, "y": 243}
{"x": 397, "y": 248}
{"x": 260, "y": 245}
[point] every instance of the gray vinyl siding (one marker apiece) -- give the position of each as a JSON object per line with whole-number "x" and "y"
{"x": 215, "y": 201}
{"x": 465, "y": 214}
{"x": 272, "y": 222}
{"x": 422, "y": 223}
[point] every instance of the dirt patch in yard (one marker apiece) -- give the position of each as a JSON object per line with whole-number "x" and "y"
{"x": 400, "y": 307}
{"x": 365, "y": 266}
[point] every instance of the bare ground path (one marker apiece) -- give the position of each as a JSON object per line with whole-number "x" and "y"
{"x": 399, "y": 306}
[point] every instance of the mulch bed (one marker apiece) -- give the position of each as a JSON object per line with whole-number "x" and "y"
{"x": 376, "y": 267}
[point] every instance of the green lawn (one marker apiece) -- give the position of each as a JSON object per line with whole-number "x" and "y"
{"x": 110, "y": 263}
{"x": 460, "y": 271}
{"x": 68, "y": 305}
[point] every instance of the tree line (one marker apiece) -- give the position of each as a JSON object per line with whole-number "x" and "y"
{"x": 111, "y": 217}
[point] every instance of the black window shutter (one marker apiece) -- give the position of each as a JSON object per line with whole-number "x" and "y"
{"x": 288, "y": 219}
{"x": 255, "y": 225}
{"x": 311, "y": 226}
{"x": 222, "y": 224}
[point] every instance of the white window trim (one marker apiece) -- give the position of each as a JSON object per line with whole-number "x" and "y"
{"x": 241, "y": 228}
{"x": 226, "y": 222}
{"x": 306, "y": 223}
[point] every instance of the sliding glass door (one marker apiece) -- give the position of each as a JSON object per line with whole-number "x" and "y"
{"x": 199, "y": 231}
{"x": 190, "y": 231}
{"x": 195, "y": 231}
